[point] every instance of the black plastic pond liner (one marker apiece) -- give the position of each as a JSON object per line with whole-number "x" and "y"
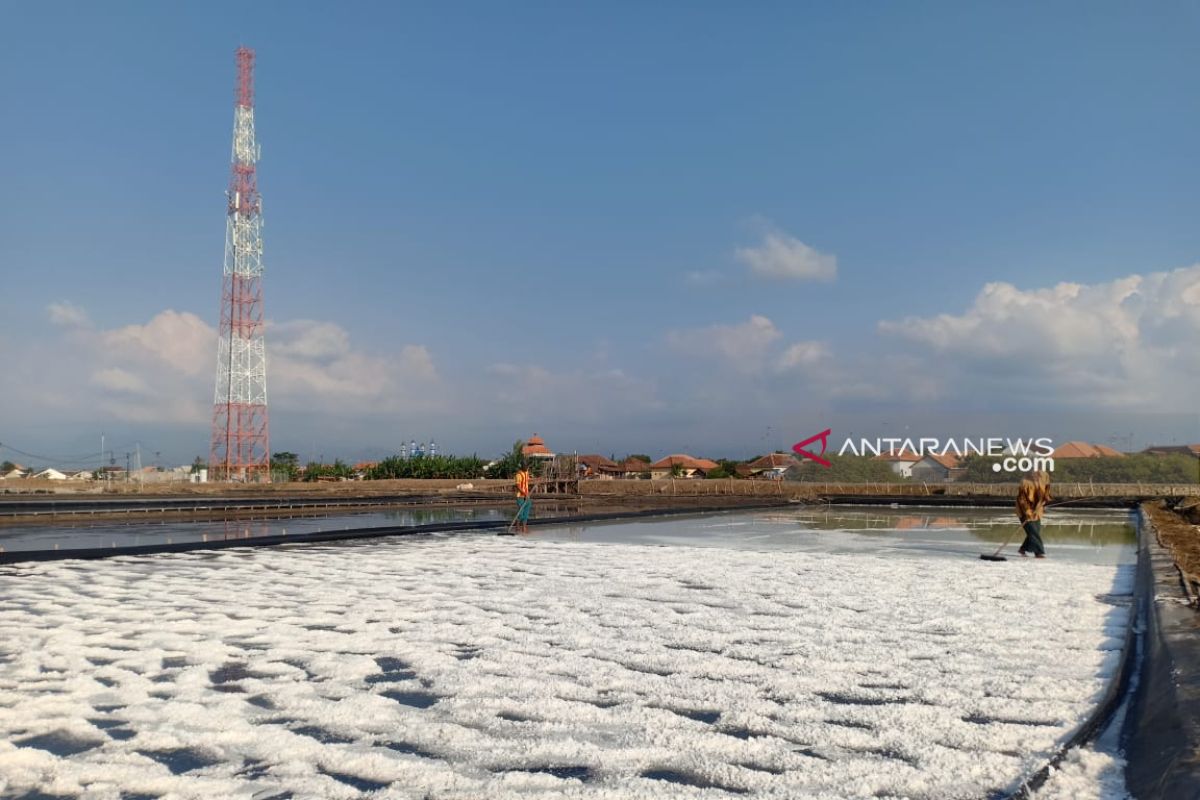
{"x": 19, "y": 556}
{"x": 1118, "y": 687}
{"x": 1161, "y": 735}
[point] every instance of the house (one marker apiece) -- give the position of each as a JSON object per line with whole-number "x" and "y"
{"x": 681, "y": 465}
{"x": 536, "y": 449}
{"x": 13, "y": 474}
{"x": 938, "y": 468}
{"x": 634, "y": 469}
{"x": 901, "y": 461}
{"x": 771, "y": 467}
{"x": 1192, "y": 450}
{"x": 82, "y": 475}
{"x": 51, "y": 474}
{"x": 597, "y": 466}
{"x": 1084, "y": 450}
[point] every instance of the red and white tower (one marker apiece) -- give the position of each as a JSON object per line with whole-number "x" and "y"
{"x": 240, "y": 450}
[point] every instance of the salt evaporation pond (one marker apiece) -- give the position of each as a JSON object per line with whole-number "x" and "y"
{"x": 756, "y": 654}
{"x": 85, "y": 534}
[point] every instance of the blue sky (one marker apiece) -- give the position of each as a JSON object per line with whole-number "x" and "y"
{"x": 541, "y": 217}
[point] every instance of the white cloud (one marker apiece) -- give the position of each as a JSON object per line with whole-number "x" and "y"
{"x": 319, "y": 367}
{"x": 116, "y": 379}
{"x": 1129, "y": 342}
{"x": 743, "y": 345}
{"x": 67, "y": 314}
{"x": 308, "y": 339}
{"x": 801, "y": 355}
{"x": 783, "y": 257}
{"x": 162, "y": 370}
{"x": 749, "y": 348}
{"x": 178, "y": 340}
{"x": 1109, "y": 347}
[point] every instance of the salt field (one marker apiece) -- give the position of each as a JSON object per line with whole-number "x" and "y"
{"x": 787, "y": 654}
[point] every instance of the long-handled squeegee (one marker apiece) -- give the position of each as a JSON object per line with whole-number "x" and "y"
{"x": 996, "y": 555}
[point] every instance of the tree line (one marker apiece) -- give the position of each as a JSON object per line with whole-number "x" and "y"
{"x": 1136, "y": 468}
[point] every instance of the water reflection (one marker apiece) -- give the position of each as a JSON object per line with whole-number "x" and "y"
{"x": 113, "y": 535}
{"x": 831, "y": 528}
{"x": 1098, "y": 528}
{"x": 1099, "y": 537}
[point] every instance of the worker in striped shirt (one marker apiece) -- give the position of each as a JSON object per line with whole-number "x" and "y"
{"x": 524, "y": 499}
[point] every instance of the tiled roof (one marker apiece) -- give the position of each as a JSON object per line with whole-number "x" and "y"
{"x": 597, "y": 461}
{"x": 949, "y": 460}
{"x": 773, "y": 461}
{"x": 1084, "y": 450}
{"x": 1168, "y": 449}
{"x": 535, "y": 447}
{"x": 684, "y": 461}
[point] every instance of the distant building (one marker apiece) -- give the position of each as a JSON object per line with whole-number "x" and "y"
{"x": 536, "y": 449}
{"x": 14, "y": 474}
{"x": 634, "y": 469}
{"x": 597, "y": 466}
{"x": 1192, "y": 450}
{"x": 51, "y": 474}
{"x": 901, "y": 462}
{"x": 686, "y": 466}
{"x": 1084, "y": 450}
{"x": 938, "y": 468}
{"x": 772, "y": 466}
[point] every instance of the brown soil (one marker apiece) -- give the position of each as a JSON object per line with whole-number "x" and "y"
{"x": 1178, "y": 532}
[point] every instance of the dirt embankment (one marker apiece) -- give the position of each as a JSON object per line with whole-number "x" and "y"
{"x": 180, "y": 489}
{"x": 678, "y": 487}
{"x": 1178, "y": 530}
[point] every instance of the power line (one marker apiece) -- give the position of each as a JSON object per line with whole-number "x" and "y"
{"x": 53, "y": 459}
{"x": 82, "y": 459}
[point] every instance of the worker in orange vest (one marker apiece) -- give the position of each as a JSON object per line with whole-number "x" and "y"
{"x": 524, "y": 500}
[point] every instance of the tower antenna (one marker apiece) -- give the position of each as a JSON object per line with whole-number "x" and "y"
{"x": 240, "y": 449}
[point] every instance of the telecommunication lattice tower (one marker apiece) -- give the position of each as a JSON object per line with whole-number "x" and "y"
{"x": 240, "y": 449}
